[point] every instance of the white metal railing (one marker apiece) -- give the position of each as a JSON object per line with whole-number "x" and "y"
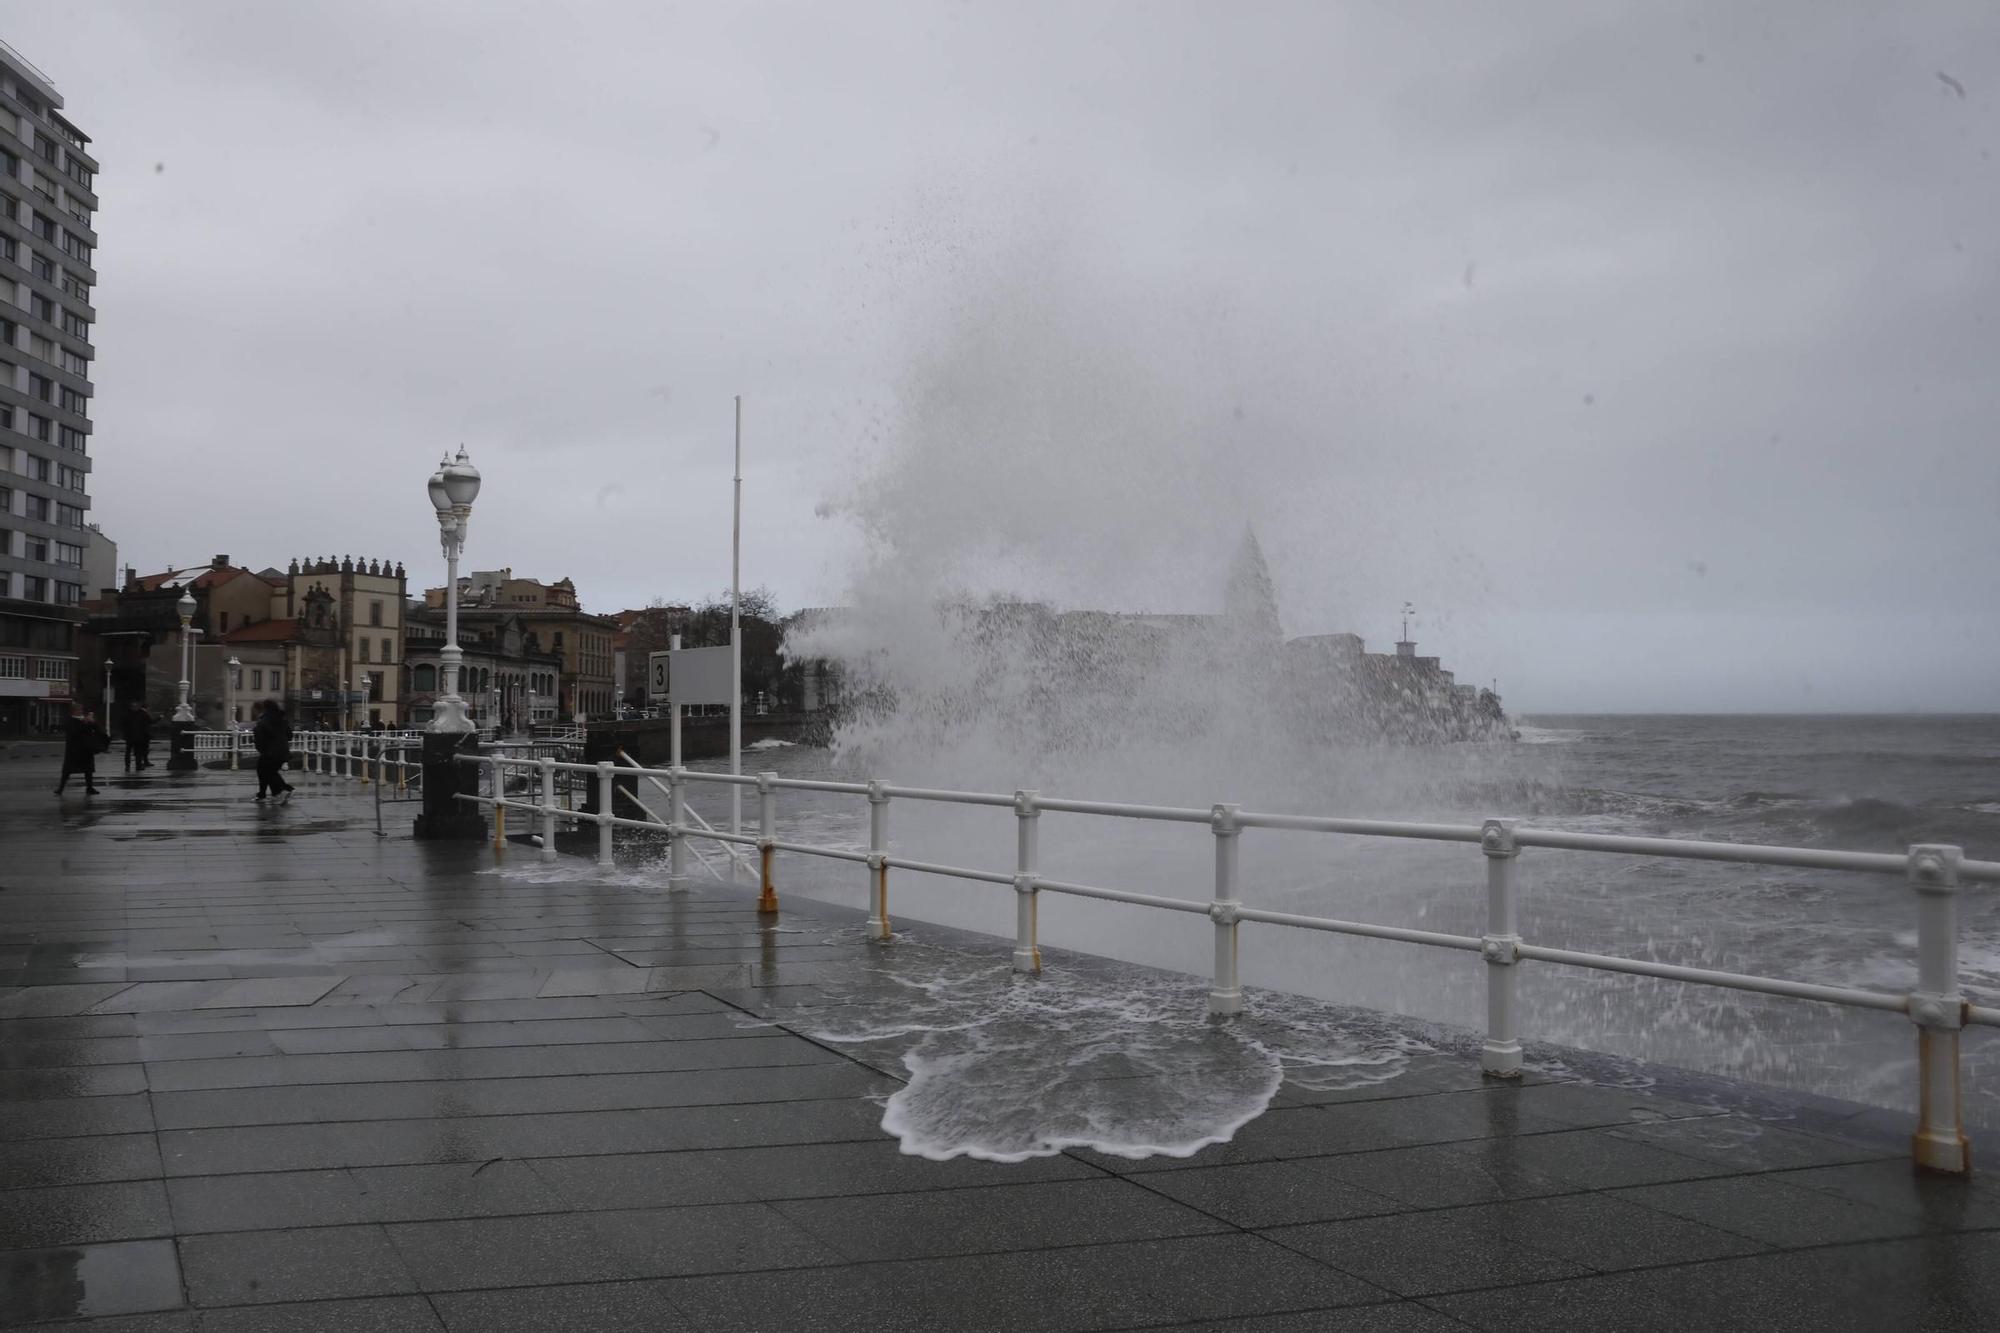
{"x": 1934, "y": 872}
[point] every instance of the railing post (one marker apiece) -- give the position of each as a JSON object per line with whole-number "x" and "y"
{"x": 677, "y": 876}
{"x": 767, "y": 833}
{"x": 235, "y": 741}
{"x": 1226, "y": 995}
{"x": 1500, "y": 1056}
{"x": 548, "y": 809}
{"x": 367, "y": 747}
{"x": 878, "y": 864}
{"x": 1027, "y": 853}
{"x": 1938, "y": 1010}
{"x": 604, "y": 795}
{"x": 497, "y": 777}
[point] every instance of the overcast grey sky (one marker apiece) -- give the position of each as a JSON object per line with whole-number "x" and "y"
{"x": 1649, "y": 348}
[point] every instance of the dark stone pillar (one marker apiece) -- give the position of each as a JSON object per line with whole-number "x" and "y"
{"x": 181, "y": 757}
{"x": 601, "y": 745}
{"x": 445, "y": 816}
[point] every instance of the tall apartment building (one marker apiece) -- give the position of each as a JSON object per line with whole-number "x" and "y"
{"x": 47, "y": 241}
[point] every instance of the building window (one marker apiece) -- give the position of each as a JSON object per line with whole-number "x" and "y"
{"x": 40, "y": 427}
{"x": 73, "y": 439}
{"x": 45, "y": 147}
{"x": 426, "y": 680}
{"x": 69, "y": 516}
{"x": 34, "y": 588}
{"x": 74, "y": 364}
{"x": 39, "y": 469}
{"x": 42, "y": 227}
{"x": 77, "y": 287}
{"x": 75, "y": 247}
{"x": 388, "y": 654}
{"x": 38, "y": 508}
{"x": 68, "y": 594}
{"x": 42, "y": 266}
{"x": 277, "y": 681}
{"x": 375, "y": 614}
{"x": 364, "y": 649}
{"x": 70, "y": 478}
{"x": 256, "y": 678}
{"x": 41, "y": 386}
{"x": 44, "y": 348}
{"x": 74, "y": 401}
{"x": 6, "y": 499}
{"x": 45, "y": 187}
{"x": 70, "y": 556}
{"x": 7, "y": 327}
{"x": 13, "y": 668}
{"x": 35, "y": 548}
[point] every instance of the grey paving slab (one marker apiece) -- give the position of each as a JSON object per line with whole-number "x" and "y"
{"x": 1269, "y": 1194}
{"x": 33, "y": 1219}
{"x": 1420, "y": 1254}
{"x": 80, "y": 1160}
{"x": 258, "y": 1267}
{"x": 37, "y": 1085}
{"x": 711, "y": 1238}
{"x": 516, "y": 1096}
{"x": 1935, "y": 1284}
{"x": 170, "y": 1321}
{"x": 128, "y": 1113}
{"x": 1407, "y": 1317}
{"x": 368, "y": 1314}
{"x": 1743, "y": 1144}
{"x": 507, "y": 1251}
{"x": 1607, "y": 1233}
{"x": 124, "y": 1277}
{"x": 1120, "y": 1286}
{"x": 598, "y": 1307}
{"x": 995, "y": 1218}
{"x": 1769, "y": 1209}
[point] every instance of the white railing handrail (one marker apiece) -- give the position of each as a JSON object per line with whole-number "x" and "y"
{"x": 1934, "y": 872}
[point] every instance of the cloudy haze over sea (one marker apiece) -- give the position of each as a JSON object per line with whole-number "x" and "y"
{"x": 1647, "y": 348}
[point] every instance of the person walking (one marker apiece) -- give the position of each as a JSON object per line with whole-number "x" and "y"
{"x": 82, "y": 739}
{"x": 138, "y": 728}
{"x": 273, "y": 738}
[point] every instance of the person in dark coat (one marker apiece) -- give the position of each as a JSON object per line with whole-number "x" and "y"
{"x": 273, "y": 738}
{"x": 82, "y": 739}
{"x": 138, "y": 729}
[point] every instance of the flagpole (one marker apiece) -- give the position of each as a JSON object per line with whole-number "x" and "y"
{"x": 736, "y": 648}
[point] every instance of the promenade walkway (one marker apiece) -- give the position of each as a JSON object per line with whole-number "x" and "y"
{"x": 263, "y": 1070}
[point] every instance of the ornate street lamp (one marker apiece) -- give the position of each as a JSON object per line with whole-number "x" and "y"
{"x": 232, "y": 674}
{"x": 453, "y": 487}
{"x": 184, "y": 713}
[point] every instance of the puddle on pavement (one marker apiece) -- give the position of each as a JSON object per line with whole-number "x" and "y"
{"x": 88, "y": 1281}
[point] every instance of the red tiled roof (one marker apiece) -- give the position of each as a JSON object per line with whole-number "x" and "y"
{"x": 208, "y": 578}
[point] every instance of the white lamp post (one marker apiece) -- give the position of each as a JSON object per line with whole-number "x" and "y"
{"x": 232, "y": 671}
{"x": 346, "y": 706}
{"x": 454, "y": 486}
{"x": 184, "y": 713}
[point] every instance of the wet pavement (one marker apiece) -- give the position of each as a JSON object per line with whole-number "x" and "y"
{"x": 263, "y": 1069}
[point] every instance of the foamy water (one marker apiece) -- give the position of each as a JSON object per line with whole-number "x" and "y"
{"x": 1004, "y": 1068}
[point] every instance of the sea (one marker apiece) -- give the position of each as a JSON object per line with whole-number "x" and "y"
{"x": 1866, "y": 783}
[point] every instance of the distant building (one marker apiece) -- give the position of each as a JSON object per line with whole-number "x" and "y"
{"x": 585, "y": 685}
{"x": 48, "y": 202}
{"x": 367, "y": 599}
{"x": 508, "y": 678}
{"x": 324, "y": 637}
